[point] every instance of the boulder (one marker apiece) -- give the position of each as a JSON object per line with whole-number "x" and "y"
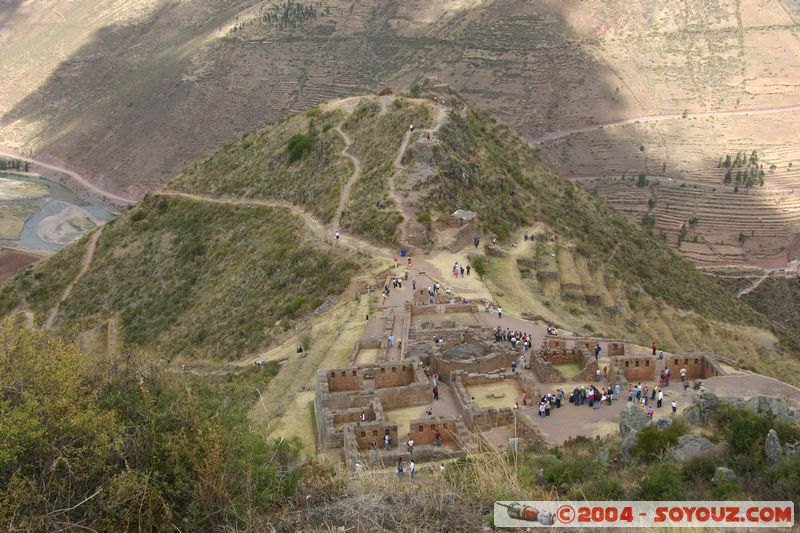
{"x": 791, "y": 448}
{"x": 767, "y": 405}
{"x": 628, "y": 442}
{"x": 632, "y": 418}
{"x": 690, "y": 446}
{"x": 662, "y": 424}
{"x": 722, "y": 474}
{"x": 704, "y": 410}
{"x": 772, "y": 447}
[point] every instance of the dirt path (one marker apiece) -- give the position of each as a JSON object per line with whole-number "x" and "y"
{"x": 345, "y": 194}
{"x": 88, "y": 254}
{"x": 313, "y": 224}
{"x": 552, "y": 136}
{"x": 399, "y": 168}
{"x": 84, "y": 182}
{"x": 753, "y": 286}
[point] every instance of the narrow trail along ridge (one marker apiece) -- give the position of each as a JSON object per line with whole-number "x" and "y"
{"x": 398, "y": 169}
{"x": 313, "y": 224}
{"x": 85, "y": 183}
{"x": 753, "y": 286}
{"x": 88, "y": 254}
{"x": 345, "y": 194}
{"x": 552, "y": 136}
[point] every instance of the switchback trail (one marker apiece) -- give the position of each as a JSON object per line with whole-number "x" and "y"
{"x": 753, "y": 286}
{"x": 345, "y": 194}
{"x": 85, "y": 183}
{"x": 313, "y": 224}
{"x": 552, "y": 136}
{"x": 88, "y": 254}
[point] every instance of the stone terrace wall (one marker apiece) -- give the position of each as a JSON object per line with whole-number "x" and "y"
{"x": 475, "y": 417}
{"x": 544, "y": 371}
{"x": 366, "y": 432}
{"x": 589, "y": 367}
{"x": 423, "y": 430}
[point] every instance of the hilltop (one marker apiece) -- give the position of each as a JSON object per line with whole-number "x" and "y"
{"x": 240, "y": 246}
{"x": 610, "y": 89}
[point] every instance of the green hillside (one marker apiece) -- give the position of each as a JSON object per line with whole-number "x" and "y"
{"x": 192, "y": 278}
{"x": 216, "y": 276}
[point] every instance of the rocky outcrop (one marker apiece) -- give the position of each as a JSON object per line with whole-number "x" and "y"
{"x": 662, "y": 424}
{"x": 772, "y": 447}
{"x": 632, "y": 419}
{"x": 723, "y": 474}
{"x": 690, "y": 446}
{"x": 766, "y": 405}
{"x": 704, "y": 410}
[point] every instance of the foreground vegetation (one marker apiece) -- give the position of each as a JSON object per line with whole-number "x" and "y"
{"x": 124, "y": 446}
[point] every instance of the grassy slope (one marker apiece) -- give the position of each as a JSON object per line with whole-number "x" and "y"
{"x": 38, "y": 287}
{"x": 376, "y": 141}
{"x": 487, "y": 168}
{"x": 258, "y": 166}
{"x": 779, "y": 299}
{"x": 201, "y": 279}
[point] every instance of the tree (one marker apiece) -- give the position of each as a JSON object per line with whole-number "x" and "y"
{"x": 651, "y": 203}
{"x": 642, "y": 180}
{"x": 727, "y": 161}
{"x": 649, "y": 220}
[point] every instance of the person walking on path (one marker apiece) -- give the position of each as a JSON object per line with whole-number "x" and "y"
{"x": 674, "y": 407}
{"x": 654, "y": 347}
{"x": 597, "y": 350}
{"x": 660, "y": 398}
{"x": 399, "y": 469}
{"x": 410, "y": 445}
{"x": 412, "y": 468}
{"x": 436, "y": 392}
{"x": 499, "y": 312}
{"x": 616, "y": 391}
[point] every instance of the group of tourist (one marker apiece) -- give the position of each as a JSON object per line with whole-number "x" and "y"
{"x": 517, "y": 339}
{"x": 460, "y": 270}
{"x": 552, "y": 331}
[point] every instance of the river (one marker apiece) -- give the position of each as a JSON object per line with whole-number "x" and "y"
{"x": 58, "y": 198}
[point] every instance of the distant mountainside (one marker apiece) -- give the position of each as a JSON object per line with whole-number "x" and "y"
{"x": 241, "y": 245}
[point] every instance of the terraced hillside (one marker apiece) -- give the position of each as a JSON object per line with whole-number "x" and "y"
{"x": 91, "y": 86}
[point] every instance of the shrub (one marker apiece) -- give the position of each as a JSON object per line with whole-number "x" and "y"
{"x": 299, "y": 144}
{"x": 744, "y": 429}
{"x": 662, "y": 482}
{"x": 642, "y": 181}
{"x": 480, "y": 264}
{"x": 424, "y": 218}
{"x": 651, "y": 441}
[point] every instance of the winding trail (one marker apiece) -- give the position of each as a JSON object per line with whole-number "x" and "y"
{"x": 84, "y": 182}
{"x": 552, "y": 136}
{"x": 313, "y": 224}
{"x": 753, "y": 286}
{"x": 88, "y": 255}
{"x": 345, "y": 194}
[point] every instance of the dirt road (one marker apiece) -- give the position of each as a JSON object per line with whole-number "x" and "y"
{"x": 83, "y": 182}
{"x": 552, "y": 136}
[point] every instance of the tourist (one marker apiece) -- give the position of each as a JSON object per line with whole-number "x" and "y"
{"x": 683, "y": 374}
{"x": 597, "y": 350}
{"x": 597, "y": 375}
{"x": 674, "y": 407}
{"x": 667, "y": 374}
{"x": 685, "y": 386}
{"x": 654, "y": 347}
{"x": 412, "y": 468}
{"x": 513, "y": 367}
{"x": 436, "y": 392}
{"x": 411, "y": 128}
{"x": 499, "y": 312}
{"x": 616, "y": 391}
{"x": 541, "y": 408}
{"x": 363, "y": 416}
{"x": 387, "y": 442}
{"x": 661, "y": 355}
{"x": 559, "y": 398}
{"x": 468, "y": 269}
{"x": 547, "y": 407}
{"x": 660, "y": 398}
{"x": 603, "y": 398}
{"x": 399, "y": 469}
{"x": 410, "y": 445}
{"x": 441, "y": 469}
{"x": 650, "y": 412}
{"x": 399, "y": 343}
{"x": 516, "y": 405}
{"x": 461, "y": 269}
{"x": 437, "y": 441}
{"x": 429, "y": 412}
{"x": 337, "y": 235}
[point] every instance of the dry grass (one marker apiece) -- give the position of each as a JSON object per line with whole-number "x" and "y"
{"x": 509, "y": 390}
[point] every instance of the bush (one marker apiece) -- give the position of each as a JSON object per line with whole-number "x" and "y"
{"x": 424, "y": 218}
{"x": 744, "y": 430}
{"x": 480, "y": 264}
{"x": 662, "y": 482}
{"x": 299, "y": 144}
{"x": 651, "y": 441}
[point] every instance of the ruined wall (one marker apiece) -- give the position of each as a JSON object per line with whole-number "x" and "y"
{"x": 423, "y": 430}
{"x": 344, "y": 380}
{"x": 395, "y": 375}
{"x": 698, "y": 366}
{"x": 636, "y": 368}
{"x": 366, "y": 432}
{"x": 489, "y": 363}
{"x": 563, "y": 357}
{"x": 544, "y": 371}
